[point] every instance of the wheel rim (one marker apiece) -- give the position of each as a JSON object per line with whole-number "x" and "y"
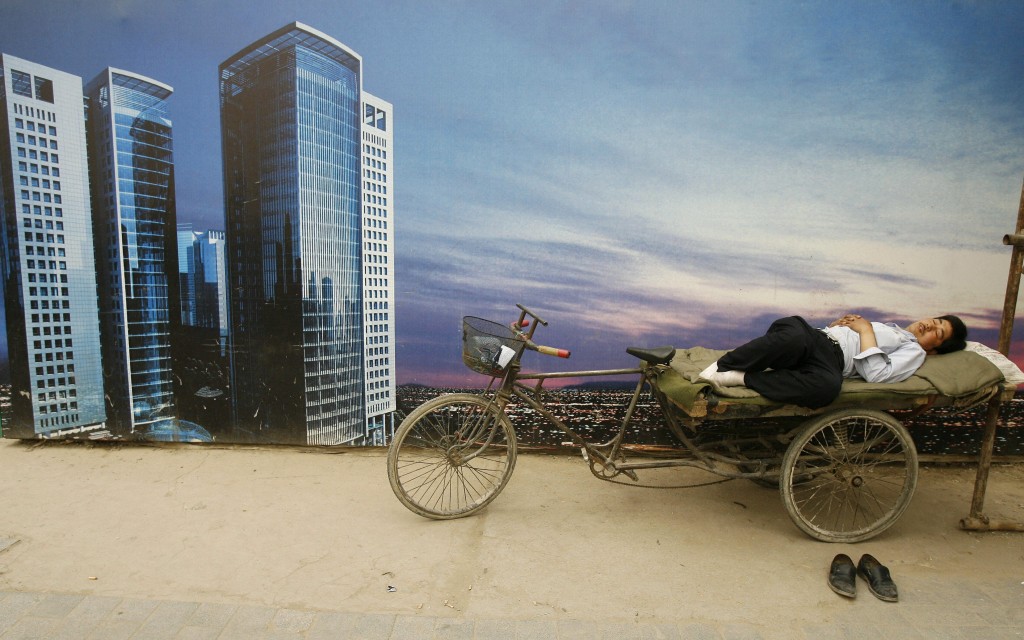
{"x": 453, "y": 459}
{"x": 850, "y": 478}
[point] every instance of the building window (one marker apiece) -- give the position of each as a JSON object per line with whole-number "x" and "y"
{"x": 44, "y": 90}
{"x": 21, "y": 83}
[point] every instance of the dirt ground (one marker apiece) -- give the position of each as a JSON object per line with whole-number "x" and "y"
{"x": 310, "y": 529}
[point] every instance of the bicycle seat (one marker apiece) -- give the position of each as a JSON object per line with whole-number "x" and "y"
{"x": 654, "y": 355}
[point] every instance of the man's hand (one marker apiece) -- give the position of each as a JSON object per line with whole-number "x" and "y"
{"x": 863, "y": 328}
{"x": 853, "y": 321}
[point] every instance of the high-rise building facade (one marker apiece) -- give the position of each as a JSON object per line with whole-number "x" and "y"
{"x": 378, "y": 268}
{"x": 48, "y": 267}
{"x": 187, "y": 273}
{"x": 292, "y": 123}
{"x": 212, "y": 282}
{"x": 202, "y": 278}
{"x": 200, "y": 343}
{"x": 132, "y": 166}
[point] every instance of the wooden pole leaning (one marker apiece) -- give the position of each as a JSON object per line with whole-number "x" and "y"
{"x": 977, "y": 520}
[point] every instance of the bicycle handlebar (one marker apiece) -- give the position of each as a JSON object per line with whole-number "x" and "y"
{"x": 527, "y": 337}
{"x": 533, "y": 315}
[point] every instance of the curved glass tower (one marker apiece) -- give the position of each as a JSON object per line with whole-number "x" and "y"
{"x": 290, "y": 122}
{"x": 134, "y": 223}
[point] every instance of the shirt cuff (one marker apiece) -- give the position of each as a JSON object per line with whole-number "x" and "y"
{"x": 870, "y": 352}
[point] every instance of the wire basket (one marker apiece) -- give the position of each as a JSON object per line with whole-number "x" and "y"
{"x": 488, "y": 347}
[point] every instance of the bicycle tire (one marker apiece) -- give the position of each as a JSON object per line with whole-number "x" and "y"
{"x": 849, "y": 475}
{"x": 452, "y": 456}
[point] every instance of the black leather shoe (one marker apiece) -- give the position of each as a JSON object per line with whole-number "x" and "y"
{"x": 877, "y": 576}
{"x": 842, "y": 576}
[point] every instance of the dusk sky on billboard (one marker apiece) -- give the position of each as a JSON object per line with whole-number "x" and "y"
{"x": 636, "y": 172}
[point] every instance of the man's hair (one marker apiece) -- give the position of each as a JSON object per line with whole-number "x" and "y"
{"x": 958, "y": 340}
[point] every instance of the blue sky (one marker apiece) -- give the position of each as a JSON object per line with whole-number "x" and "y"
{"x": 637, "y": 172}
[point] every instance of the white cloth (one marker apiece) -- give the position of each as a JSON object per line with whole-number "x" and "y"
{"x": 1010, "y": 371}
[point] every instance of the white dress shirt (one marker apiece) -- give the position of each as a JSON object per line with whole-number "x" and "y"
{"x": 896, "y": 358}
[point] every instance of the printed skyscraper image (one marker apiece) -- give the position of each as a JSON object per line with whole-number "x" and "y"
{"x": 199, "y": 343}
{"x": 292, "y": 124}
{"x": 378, "y": 268}
{"x": 269, "y": 321}
{"x": 48, "y": 265}
{"x": 134, "y": 222}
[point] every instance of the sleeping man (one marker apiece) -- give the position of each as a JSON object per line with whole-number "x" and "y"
{"x": 795, "y": 363}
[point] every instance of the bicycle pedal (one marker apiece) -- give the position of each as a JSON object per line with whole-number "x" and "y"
{"x": 586, "y": 456}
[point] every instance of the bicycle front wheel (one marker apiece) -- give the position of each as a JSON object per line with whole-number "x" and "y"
{"x": 451, "y": 456}
{"x": 849, "y": 475}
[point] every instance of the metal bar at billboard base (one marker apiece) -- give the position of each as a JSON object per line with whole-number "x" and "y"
{"x": 977, "y": 520}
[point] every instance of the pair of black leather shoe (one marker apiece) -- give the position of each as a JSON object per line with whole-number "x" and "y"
{"x": 842, "y": 577}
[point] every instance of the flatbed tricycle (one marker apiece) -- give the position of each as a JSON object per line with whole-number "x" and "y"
{"x": 845, "y": 473}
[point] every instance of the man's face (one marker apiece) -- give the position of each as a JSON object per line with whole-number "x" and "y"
{"x": 931, "y": 333}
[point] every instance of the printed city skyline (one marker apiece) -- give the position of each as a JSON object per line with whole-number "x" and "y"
{"x": 662, "y": 172}
{"x": 287, "y": 337}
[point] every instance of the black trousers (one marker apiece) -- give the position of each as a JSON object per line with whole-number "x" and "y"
{"x": 792, "y": 363}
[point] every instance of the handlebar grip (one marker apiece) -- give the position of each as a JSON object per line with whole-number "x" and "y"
{"x": 551, "y": 351}
{"x": 517, "y": 329}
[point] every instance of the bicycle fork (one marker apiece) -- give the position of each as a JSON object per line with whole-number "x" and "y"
{"x": 476, "y": 437}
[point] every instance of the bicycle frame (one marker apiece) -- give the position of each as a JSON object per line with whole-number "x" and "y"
{"x": 606, "y": 459}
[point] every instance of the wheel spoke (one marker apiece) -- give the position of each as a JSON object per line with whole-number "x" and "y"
{"x": 849, "y": 475}
{"x": 451, "y": 456}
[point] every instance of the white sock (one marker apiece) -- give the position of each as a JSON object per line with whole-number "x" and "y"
{"x": 731, "y": 378}
{"x": 710, "y": 371}
{"x": 723, "y": 378}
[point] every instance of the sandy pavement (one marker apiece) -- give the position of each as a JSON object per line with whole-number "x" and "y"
{"x": 309, "y": 529}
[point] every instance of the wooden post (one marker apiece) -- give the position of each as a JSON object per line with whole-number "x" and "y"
{"x": 977, "y": 521}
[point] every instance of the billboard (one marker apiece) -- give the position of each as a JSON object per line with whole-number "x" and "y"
{"x": 258, "y": 248}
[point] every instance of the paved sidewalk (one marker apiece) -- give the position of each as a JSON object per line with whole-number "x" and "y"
{"x": 994, "y": 613}
{"x": 111, "y": 543}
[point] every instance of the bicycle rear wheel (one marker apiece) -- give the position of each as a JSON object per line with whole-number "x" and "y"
{"x": 849, "y": 475}
{"x": 451, "y": 456}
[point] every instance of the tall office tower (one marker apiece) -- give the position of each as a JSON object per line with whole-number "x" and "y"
{"x": 187, "y": 273}
{"x": 136, "y": 245}
{"x": 378, "y": 268}
{"x": 202, "y": 277}
{"x": 291, "y": 131}
{"x": 48, "y": 265}
{"x": 212, "y": 283}
{"x": 200, "y": 343}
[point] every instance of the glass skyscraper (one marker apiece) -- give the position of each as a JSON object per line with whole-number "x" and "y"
{"x": 136, "y": 245}
{"x": 187, "y": 273}
{"x": 47, "y": 265}
{"x": 202, "y": 280}
{"x": 291, "y": 130}
{"x": 211, "y": 282}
